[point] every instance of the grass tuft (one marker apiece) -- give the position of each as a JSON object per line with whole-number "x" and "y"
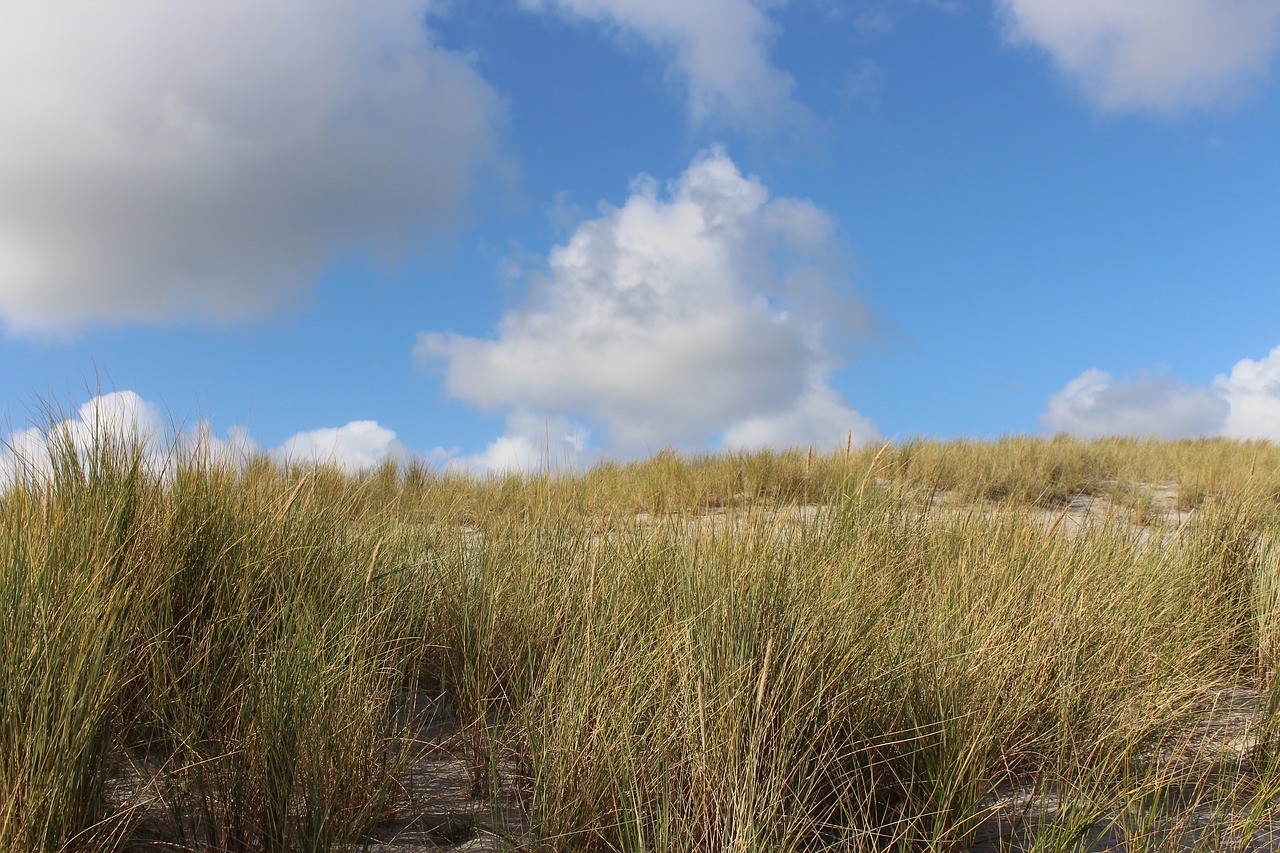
{"x": 1029, "y": 644}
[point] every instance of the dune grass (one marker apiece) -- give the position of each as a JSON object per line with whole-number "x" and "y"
{"x": 885, "y": 648}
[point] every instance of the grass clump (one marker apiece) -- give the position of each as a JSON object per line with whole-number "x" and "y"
{"x": 923, "y": 646}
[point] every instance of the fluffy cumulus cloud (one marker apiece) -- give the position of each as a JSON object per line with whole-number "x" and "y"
{"x": 1162, "y": 55}
{"x": 691, "y": 314}
{"x": 205, "y": 160}
{"x": 1242, "y": 404}
{"x": 358, "y": 446}
{"x": 819, "y": 417}
{"x": 717, "y": 48}
{"x": 123, "y": 419}
{"x": 1097, "y": 404}
{"x": 1252, "y": 390}
{"x": 120, "y": 419}
{"x": 532, "y": 443}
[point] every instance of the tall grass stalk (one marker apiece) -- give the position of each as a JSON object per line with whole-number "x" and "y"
{"x": 907, "y": 647}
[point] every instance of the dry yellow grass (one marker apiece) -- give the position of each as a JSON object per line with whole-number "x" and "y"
{"x": 1025, "y": 644}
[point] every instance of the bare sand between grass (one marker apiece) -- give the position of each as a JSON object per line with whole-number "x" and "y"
{"x": 438, "y": 810}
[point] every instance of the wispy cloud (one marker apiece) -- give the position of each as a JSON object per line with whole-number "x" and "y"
{"x": 865, "y": 81}
{"x": 718, "y": 49}
{"x": 1242, "y": 404}
{"x": 694, "y": 313}
{"x": 168, "y": 160}
{"x": 1151, "y": 55}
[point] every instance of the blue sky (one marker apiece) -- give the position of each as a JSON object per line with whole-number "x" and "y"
{"x": 484, "y": 233}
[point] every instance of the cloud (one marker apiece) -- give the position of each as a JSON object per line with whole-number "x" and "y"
{"x": 1096, "y": 404}
{"x": 165, "y": 160}
{"x": 873, "y": 18}
{"x": 865, "y": 81}
{"x": 1252, "y": 390}
{"x": 236, "y": 447}
{"x": 718, "y": 48}
{"x": 120, "y": 419}
{"x": 1243, "y": 404}
{"x": 531, "y": 443}
{"x": 358, "y": 446}
{"x": 683, "y": 316}
{"x": 1160, "y": 55}
{"x": 123, "y": 419}
{"x": 819, "y": 418}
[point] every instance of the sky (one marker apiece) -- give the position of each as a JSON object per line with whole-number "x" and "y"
{"x": 498, "y": 234}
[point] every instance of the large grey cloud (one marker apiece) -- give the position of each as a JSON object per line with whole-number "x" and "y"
{"x": 162, "y": 160}
{"x": 690, "y": 314}
{"x": 718, "y": 49}
{"x": 1160, "y": 55}
{"x": 1242, "y": 404}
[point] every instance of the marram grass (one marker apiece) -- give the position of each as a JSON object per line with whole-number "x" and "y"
{"x": 911, "y": 647}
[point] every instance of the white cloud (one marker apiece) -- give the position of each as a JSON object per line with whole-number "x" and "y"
{"x": 719, "y": 49}
{"x": 531, "y": 443}
{"x": 1096, "y": 404}
{"x": 165, "y": 160}
{"x": 1253, "y": 392}
{"x": 357, "y": 446}
{"x": 1162, "y": 55}
{"x": 819, "y": 418}
{"x": 23, "y": 455}
{"x": 119, "y": 413}
{"x": 1244, "y": 404}
{"x": 672, "y": 319}
{"x": 123, "y": 419}
{"x": 506, "y": 454}
{"x": 235, "y": 448}
{"x": 118, "y": 420}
